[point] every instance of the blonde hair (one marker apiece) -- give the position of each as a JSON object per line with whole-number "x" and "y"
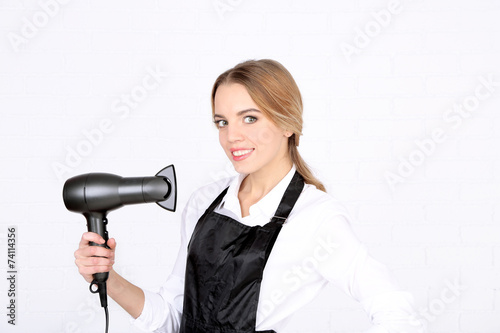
{"x": 274, "y": 90}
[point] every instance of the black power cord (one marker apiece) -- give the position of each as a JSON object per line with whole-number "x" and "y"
{"x": 102, "y": 290}
{"x": 106, "y": 313}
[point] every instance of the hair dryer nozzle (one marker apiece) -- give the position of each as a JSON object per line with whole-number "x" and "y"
{"x": 170, "y": 201}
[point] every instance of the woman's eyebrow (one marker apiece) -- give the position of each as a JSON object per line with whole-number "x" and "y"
{"x": 239, "y": 113}
{"x": 246, "y": 111}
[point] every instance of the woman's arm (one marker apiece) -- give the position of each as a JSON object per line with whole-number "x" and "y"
{"x": 97, "y": 259}
{"x": 353, "y": 270}
{"x": 127, "y": 295}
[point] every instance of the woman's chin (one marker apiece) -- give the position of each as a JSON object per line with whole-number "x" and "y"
{"x": 241, "y": 168}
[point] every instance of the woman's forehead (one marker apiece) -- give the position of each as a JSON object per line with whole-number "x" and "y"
{"x": 233, "y": 98}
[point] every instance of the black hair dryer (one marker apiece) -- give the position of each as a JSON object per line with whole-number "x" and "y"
{"x": 95, "y": 194}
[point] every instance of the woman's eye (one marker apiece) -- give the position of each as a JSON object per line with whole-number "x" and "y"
{"x": 249, "y": 119}
{"x": 220, "y": 123}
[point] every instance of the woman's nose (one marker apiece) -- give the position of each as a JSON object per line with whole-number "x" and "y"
{"x": 234, "y": 133}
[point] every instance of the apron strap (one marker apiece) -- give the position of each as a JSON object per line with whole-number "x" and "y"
{"x": 217, "y": 201}
{"x": 291, "y": 195}
{"x": 289, "y": 199}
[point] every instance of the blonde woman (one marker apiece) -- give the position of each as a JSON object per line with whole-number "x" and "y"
{"x": 268, "y": 241}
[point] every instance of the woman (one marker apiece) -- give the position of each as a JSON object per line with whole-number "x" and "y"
{"x": 268, "y": 241}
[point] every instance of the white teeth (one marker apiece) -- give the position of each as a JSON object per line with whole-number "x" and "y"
{"x": 241, "y": 152}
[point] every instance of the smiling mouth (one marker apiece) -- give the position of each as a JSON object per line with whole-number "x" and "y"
{"x": 238, "y": 153}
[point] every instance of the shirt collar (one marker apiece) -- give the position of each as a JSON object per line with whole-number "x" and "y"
{"x": 266, "y": 206}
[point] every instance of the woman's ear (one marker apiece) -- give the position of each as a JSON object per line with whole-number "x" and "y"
{"x": 288, "y": 134}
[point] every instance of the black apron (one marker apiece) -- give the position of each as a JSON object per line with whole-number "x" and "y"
{"x": 225, "y": 264}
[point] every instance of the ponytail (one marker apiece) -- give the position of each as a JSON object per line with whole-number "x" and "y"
{"x": 301, "y": 165}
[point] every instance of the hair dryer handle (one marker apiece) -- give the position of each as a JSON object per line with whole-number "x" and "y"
{"x": 97, "y": 222}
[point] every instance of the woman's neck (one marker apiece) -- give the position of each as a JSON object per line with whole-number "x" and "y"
{"x": 256, "y": 185}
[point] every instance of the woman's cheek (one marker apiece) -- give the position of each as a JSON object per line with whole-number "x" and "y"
{"x": 263, "y": 136}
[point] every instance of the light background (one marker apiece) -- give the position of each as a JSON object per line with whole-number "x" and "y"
{"x": 364, "y": 114}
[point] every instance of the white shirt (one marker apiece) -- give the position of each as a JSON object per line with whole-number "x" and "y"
{"x": 316, "y": 246}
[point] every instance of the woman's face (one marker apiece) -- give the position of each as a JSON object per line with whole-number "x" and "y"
{"x": 250, "y": 140}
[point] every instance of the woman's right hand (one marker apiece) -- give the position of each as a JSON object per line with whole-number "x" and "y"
{"x": 94, "y": 259}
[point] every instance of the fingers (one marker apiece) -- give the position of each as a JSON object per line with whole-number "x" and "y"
{"x": 88, "y": 269}
{"x": 112, "y": 243}
{"x": 92, "y": 265}
{"x": 89, "y": 265}
{"x": 94, "y": 259}
{"x": 86, "y": 250}
{"x": 90, "y": 237}
{"x": 94, "y": 251}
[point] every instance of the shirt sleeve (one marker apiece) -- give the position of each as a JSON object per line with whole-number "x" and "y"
{"x": 161, "y": 310}
{"x": 354, "y": 271}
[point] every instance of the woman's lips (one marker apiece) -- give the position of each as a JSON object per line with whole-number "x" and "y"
{"x": 241, "y": 154}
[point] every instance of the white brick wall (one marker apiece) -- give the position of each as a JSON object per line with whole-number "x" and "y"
{"x": 364, "y": 113}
